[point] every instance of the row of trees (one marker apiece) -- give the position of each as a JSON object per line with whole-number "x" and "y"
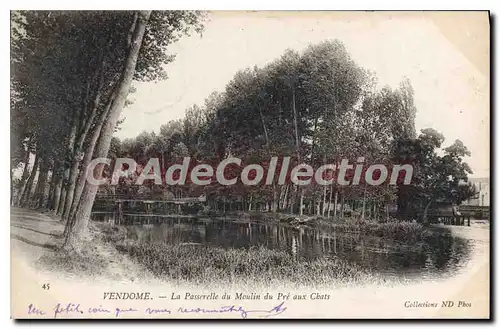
{"x": 317, "y": 106}
{"x": 71, "y": 74}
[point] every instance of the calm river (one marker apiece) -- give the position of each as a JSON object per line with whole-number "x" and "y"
{"x": 436, "y": 256}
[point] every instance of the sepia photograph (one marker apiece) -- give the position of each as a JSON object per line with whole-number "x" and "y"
{"x": 184, "y": 164}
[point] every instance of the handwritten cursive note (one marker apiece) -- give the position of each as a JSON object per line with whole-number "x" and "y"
{"x": 119, "y": 311}
{"x": 238, "y": 309}
{"x": 67, "y": 308}
{"x": 76, "y": 309}
{"x": 33, "y": 310}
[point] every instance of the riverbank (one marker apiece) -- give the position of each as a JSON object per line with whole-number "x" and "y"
{"x": 108, "y": 253}
{"x": 409, "y": 232}
{"x": 401, "y": 231}
{"x": 36, "y": 239}
{"x": 217, "y": 267}
{"x": 35, "y": 235}
{"x": 114, "y": 251}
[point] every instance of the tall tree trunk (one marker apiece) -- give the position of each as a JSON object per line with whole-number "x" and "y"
{"x": 425, "y": 218}
{"x": 80, "y": 184}
{"x": 70, "y": 188}
{"x": 76, "y": 227}
{"x": 364, "y": 204}
{"x": 313, "y": 148}
{"x": 285, "y": 197}
{"x": 63, "y": 196}
{"x": 78, "y": 141}
{"x": 268, "y": 146}
{"x": 24, "y": 177}
{"x": 67, "y": 173}
{"x": 40, "y": 191}
{"x": 29, "y": 184}
{"x": 301, "y": 203}
{"x": 280, "y": 197}
{"x": 297, "y": 146}
{"x": 335, "y": 204}
{"x": 342, "y": 204}
{"x": 52, "y": 188}
{"x": 57, "y": 192}
{"x": 323, "y": 208}
{"x": 330, "y": 201}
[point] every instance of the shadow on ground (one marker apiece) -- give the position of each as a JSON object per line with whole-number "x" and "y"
{"x": 36, "y": 231}
{"x": 33, "y": 243}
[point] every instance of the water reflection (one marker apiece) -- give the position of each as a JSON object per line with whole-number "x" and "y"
{"x": 436, "y": 255}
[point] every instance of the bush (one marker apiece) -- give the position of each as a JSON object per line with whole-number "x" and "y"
{"x": 408, "y": 232}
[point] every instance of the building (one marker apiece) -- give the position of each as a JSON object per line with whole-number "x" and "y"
{"x": 482, "y": 198}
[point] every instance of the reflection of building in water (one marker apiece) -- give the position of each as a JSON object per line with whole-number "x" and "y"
{"x": 482, "y": 198}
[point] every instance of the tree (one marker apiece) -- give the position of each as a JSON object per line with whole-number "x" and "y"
{"x": 435, "y": 178}
{"x": 72, "y": 110}
{"x": 149, "y": 35}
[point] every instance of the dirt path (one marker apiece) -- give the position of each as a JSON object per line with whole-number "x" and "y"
{"x": 35, "y": 236}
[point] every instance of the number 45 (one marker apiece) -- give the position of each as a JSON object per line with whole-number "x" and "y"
{"x": 46, "y": 286}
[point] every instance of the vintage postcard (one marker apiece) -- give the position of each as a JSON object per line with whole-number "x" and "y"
{"x": 250, "y": 165}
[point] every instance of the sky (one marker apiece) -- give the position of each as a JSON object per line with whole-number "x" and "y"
{"x": 445, "y": 56}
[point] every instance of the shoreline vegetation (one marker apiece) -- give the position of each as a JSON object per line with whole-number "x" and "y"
{"x": 389, "y": 228}
{"x": 216, "y": 266}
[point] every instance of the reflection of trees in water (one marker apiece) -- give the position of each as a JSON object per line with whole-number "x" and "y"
{"x": 294, "y": 246}
{"x": 436, "y": 253}
{"x": 447, "y": 251}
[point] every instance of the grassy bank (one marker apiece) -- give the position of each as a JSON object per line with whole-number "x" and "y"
{"x": 97, "y": 257}
{"x": 405, "y": 231}
{"x": 88, "y": 261}
{"x": 207, "y": 265}
{"x": 203, "y": 265}
{"x": 116, "y": 252}
{"x": 216, "y": 266}
{"x": 408, "y": 232}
